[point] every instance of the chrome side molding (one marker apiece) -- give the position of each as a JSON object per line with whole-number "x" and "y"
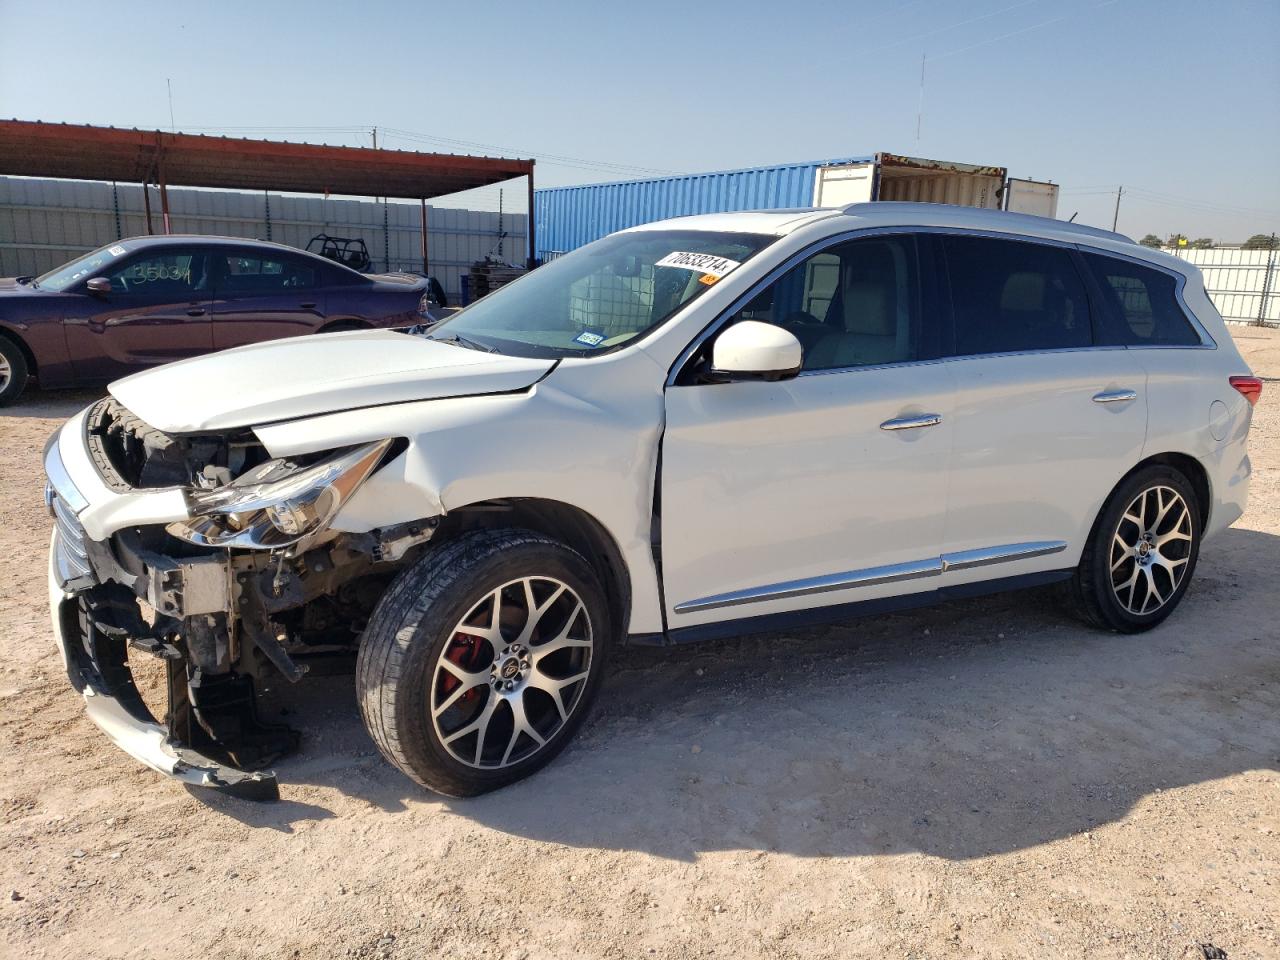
{"x": 871, "y": 576}
{"x": 1006, "y": 553}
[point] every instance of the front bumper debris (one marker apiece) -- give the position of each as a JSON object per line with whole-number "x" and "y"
{"x": 113, "y": 703}
{"x": 226, "y": 622}
{"x": 97, "y": 668}
{"x": 95, "y": 622}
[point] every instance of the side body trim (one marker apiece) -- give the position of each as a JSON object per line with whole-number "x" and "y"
{"x": 815, "y": 616}
{"x": 870, "y": 576}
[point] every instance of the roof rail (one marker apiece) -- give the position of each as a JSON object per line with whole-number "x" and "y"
{"x": 990, "y": 216}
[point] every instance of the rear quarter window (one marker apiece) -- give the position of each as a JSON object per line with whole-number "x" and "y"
{"x": 1140, "y": 305}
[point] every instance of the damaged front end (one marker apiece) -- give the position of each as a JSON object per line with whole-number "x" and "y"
{"x": 218, "y": 559}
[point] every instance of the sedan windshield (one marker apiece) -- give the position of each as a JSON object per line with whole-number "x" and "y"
{"x": 601, "y": 296}
{"x": 70, "y": 273}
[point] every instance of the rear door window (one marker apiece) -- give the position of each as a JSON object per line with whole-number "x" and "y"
{"x": 1140, "y": 305}
{"x": 248, "y": 273}
{"x": 1013, "y": 296}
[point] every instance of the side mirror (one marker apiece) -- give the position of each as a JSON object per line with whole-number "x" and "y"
{"x": 98, "y": 285}
{"x": 751, "y": 350}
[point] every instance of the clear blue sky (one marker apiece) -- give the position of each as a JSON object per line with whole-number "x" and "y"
{"x": 1179, "y": 100}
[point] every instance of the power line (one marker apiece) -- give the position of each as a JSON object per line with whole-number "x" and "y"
{"x": 1018, "y": 33}
{"x": 579, "y": 163}
{"x": 551, "y": 157}
{"x": 1170, "y": 200}
{"x": 949, "y": 27}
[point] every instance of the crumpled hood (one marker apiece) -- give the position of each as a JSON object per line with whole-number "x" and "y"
{"x": 305, "y": 376}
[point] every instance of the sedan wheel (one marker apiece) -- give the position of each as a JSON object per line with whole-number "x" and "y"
{"x": 13, "y": 371}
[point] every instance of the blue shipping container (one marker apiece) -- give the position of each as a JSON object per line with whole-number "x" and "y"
{"x": 569, "y": 217}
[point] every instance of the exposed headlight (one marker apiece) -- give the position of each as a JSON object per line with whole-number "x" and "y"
{"x": 425, "y": 303}
{"x": 276, "y": 505}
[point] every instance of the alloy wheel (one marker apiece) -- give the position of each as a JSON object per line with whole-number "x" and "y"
{"x": 1150, "y": 550}
{"x": 6, "y": 372}
{"x": 511, "y": 673}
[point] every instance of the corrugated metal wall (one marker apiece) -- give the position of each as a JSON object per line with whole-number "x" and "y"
{"x": 44, "y": 223}
{"x": 967, "y": 190}
{"x": 568, "y": 217}
{"x": 1236, "y": 280}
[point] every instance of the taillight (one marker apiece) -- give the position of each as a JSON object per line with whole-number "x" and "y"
{"x": 1249, "y": 387}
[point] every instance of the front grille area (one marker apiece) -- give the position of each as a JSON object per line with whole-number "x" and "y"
{"x": 70, "y": 557}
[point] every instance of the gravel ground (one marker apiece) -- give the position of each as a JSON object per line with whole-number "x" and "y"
{"x": 986, "y": 778}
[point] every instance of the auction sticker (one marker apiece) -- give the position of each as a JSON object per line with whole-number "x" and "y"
{"x": 117, "y": 251}
{"x": 704, "y": 263}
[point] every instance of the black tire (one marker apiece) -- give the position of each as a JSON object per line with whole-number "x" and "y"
{"x": 413, "y": 626}
{"x": 1091, "y": 592}
{"x": 18, "y": 373}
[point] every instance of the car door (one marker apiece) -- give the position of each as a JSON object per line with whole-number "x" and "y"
{"x": 156, "y": 311}
{"x": 825, "y": 489}
{"x": 264, "y": 295}
{"x": 1047, "y": 419}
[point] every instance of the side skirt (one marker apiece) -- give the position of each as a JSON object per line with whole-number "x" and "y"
{"x": 817, "y": 616}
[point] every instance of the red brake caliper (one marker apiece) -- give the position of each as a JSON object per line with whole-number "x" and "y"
{"x": 466, "y": 652}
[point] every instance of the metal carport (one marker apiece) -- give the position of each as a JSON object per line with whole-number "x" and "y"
{"x": 81, "y": 152}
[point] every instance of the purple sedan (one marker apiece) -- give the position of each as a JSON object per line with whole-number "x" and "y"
{"x": 148, "y": 300}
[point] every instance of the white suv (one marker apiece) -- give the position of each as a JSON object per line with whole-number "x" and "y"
{"x": 697, "y": 428}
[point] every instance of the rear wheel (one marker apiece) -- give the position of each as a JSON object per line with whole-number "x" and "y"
{"x": 13, "y": 371}
{"x": 481, "y": 660}
{"x": 1141, "y": 554}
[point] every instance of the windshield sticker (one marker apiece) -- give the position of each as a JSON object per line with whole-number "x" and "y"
{"x": 708, "y": 279}
{"x": 590, "y": 338}
{"x": 116, "y": 251}
{"x": 706, "y": 263}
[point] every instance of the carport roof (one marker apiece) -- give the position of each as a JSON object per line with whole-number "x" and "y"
{"x": 76, "y": 152}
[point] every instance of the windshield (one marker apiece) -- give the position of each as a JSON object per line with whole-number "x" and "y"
{"x": 602, "y": 295}
{"x": 69, "y": 273}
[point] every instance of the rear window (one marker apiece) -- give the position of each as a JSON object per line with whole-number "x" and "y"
{"x": 1011, "y": 296}
{"x": 1140, "y": 305}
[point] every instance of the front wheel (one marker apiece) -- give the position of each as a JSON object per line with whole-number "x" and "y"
{"x": 1141, "y": 554}
{"x": 481, "y": 660}
{"x": 13, "y": 371}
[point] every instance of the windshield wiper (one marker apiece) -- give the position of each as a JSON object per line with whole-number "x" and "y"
{"x": 464, "y": 342}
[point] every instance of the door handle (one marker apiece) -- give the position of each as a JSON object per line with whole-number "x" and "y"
{"x": 912, "y": 423}
{"x": 307, "y": 306}
{"x": 196, "y": 312}
{"x": 1115, "y": 396}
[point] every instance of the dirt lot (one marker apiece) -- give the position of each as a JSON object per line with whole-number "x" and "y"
{"x": 983, "y": 779}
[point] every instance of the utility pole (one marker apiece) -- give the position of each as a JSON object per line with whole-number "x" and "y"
{"x": 1266, "y": 284}
{"x": 375, "y": 138}
{"x": 1115, "y": 220}
{"x": 920, "y": 106}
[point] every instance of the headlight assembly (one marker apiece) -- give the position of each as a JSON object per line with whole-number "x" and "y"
{"x": 275, "y": 505}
